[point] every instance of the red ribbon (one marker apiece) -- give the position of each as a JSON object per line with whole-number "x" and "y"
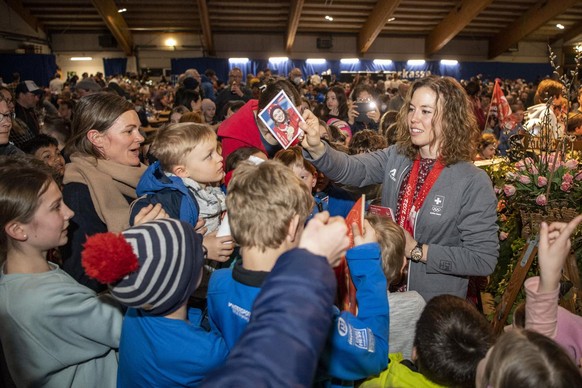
{"x": 407, "y": 206}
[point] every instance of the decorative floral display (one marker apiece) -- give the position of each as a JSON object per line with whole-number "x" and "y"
{"x": 534, "y": 183}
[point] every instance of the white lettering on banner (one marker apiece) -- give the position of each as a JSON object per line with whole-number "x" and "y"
{"x": 408, "y": 74}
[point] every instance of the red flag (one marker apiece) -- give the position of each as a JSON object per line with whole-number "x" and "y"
{"x": 499, "y": 106}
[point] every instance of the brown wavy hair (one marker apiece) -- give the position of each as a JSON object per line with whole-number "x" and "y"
{"x": 460, "y": 133}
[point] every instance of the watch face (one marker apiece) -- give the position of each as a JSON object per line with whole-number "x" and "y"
{"x": 416, "y": 254}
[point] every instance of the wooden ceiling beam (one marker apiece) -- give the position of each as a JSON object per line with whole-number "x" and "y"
{"x": 377, "y": 19}
{"x": 294, "y": 15}
{"x": 541, "y": 13}
{"x": 116, "y": 24}
{"x": 206, "y": 30}
{"x": 459, "y": 17}
{"x": 25, "y": 15}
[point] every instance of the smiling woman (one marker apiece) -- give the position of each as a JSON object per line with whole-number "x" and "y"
{"x": 445, "y": 204}
{"x": 100, "y": 181}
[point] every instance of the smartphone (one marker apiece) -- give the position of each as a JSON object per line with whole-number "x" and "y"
{"x": 363, "y": 108}
{"x": 232, "y": 91}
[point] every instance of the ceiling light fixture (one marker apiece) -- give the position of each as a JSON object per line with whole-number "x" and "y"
{"x": 238, "y": 60}
{"x": 328, "y": 18}
{"x": 382, "y": 61}
{"x": 122, "y": 10}
{"x": 278, "y": 59}
{"x": 391, "y": 20}
{"x": 560, "y": 26}
{"x": 415, "y": 62}
{"x": 170, "y": 42}
{"x": 449, "y": 62}
{"x": 315, "y": 61}
{"x": 347, "y": 61}
{"x": 81, "y": 58}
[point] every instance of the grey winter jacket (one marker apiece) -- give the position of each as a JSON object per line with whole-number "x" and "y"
{"x": 457, "y": 220}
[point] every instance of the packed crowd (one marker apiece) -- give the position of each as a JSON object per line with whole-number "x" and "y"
{"x": 201, "y": 252}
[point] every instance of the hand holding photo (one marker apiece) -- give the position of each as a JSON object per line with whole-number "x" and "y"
{"x": 282, "y": 118}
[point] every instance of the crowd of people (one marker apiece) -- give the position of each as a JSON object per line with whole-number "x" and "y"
{"x": 201, "y": 252}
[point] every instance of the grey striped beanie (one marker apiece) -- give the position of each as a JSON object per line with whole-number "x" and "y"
{"x": 169, "y": 263}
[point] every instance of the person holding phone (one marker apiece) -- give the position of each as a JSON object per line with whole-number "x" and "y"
{"x": 363, "y": 111}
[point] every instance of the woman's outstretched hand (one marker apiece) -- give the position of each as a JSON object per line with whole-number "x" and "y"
{"x": 311, "y": 141}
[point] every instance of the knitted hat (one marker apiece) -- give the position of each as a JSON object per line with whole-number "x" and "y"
{"x": 155, "y": 266}
{"x": 341, "y": 126}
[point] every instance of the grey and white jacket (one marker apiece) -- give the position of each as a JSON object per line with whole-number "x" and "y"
{"x": 457, "y": 220}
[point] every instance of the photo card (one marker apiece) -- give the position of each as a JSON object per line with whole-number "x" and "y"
{"x": 282, "y": 118}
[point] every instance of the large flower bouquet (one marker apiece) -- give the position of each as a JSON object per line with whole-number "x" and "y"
{"x": 541, "y": 182}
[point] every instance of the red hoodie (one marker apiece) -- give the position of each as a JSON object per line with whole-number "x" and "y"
{"x": 241, "y": 130}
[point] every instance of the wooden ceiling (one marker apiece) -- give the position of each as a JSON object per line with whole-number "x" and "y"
{"x": 503, "y": 22}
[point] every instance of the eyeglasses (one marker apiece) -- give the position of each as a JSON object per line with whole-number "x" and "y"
{"x": 9, "y": 115}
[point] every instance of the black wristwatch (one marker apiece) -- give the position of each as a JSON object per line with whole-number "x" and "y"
{"x": 416, "y": 253}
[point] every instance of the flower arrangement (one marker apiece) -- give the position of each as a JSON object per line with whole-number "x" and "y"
{"x": 543, "y": 181}
{"x": 539, "y": 182}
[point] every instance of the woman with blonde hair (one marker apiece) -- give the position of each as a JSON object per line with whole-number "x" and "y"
{"x": 445, "y": 204}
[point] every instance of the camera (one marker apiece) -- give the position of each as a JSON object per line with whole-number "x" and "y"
{"x": 363, "y": 108}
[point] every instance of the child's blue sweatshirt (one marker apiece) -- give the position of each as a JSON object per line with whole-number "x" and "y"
{"x": 357, "y": 347}
{"x": 176, "y": 199}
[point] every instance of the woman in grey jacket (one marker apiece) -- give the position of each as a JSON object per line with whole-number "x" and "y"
{"x": 445, "y": 204}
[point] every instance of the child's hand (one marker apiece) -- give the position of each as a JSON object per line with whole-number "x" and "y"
{"x": 219, "y": 248}
{"x": 369, "y": 235}
{"x": 553, "y": 250}
{"x": 150, "y": 213}
{"x": 200, "y": 227}
{"x": 326, "y": 236}
{"x": 311, "y": 138}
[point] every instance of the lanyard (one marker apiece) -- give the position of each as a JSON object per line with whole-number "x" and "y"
{"x": 408, "y": 209}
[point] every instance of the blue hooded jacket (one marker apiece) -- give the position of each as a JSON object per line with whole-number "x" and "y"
{"x": 170, "y": 191}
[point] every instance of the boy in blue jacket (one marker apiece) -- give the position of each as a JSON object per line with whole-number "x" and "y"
{"x": 184, "y": 180}
{"x": 152, "y": 269}
{"x": 268, "y": 206}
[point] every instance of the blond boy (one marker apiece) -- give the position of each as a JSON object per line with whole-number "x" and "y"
{"x": 185, "y": 179}
{"x": 268, "y": 206}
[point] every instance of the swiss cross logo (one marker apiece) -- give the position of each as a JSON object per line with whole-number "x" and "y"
{"x": 437, "y": 205}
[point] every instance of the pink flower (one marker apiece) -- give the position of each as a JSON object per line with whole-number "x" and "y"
{"x": 554, "y": 166}
{"x": 567, "y": 178}
{"x": 532, "y": 169}
{"x": 524, "y": 179}
{"x": 541, "y": 200}
{"x": 571, "y": 164}
{"x": 579, "y": 176}
{"x": 565, "y": 186}
{"x": 509, "y": 190}
{"x": 542, "y": 181}
{"x": 511, "y": 176}
{"x": 497, "y": 190}
{"x": 520, "y": 165}
{"x": 503, "y": 235}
